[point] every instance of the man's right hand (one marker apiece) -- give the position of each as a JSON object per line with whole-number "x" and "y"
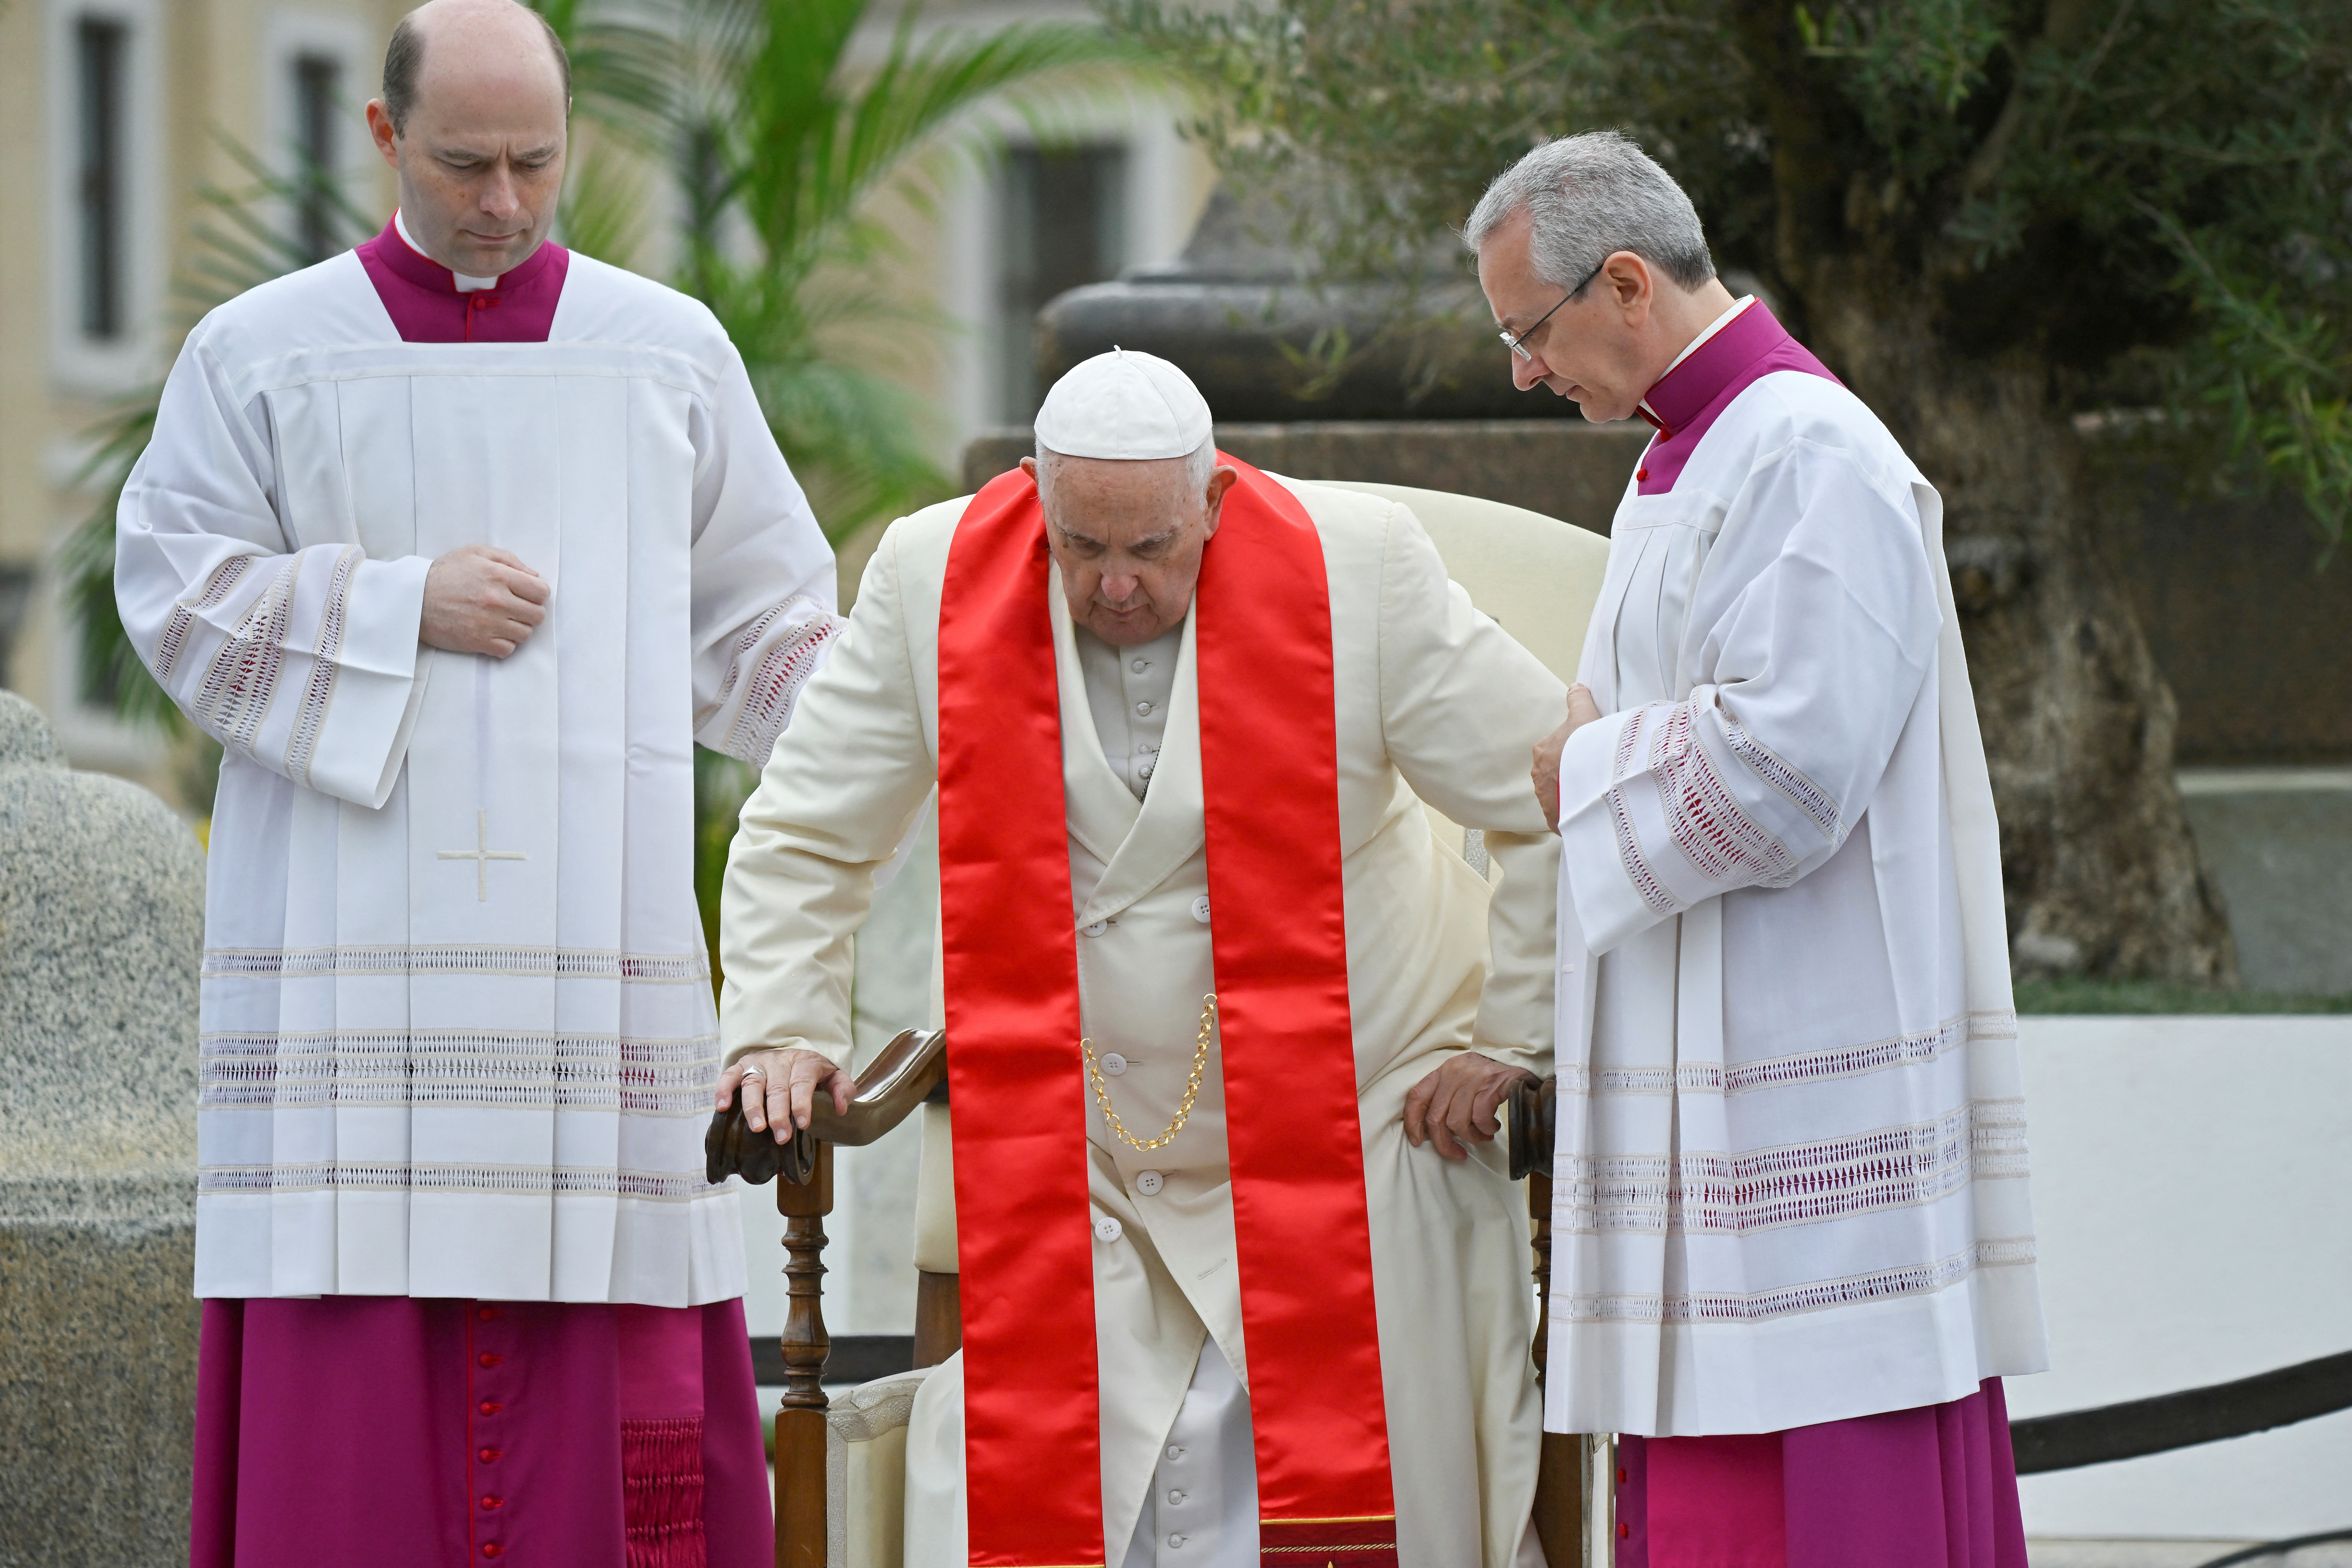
{"x": 794, "y": 1079}
{"x": 1545, "y": 773}
{"x": 481, "y": 600}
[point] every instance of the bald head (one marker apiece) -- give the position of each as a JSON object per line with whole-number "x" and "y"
{"x": 480, "y": 31}
{"x": 475, "y": 94}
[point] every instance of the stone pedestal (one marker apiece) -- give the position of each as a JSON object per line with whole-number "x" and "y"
{"x": 101, "y": 931}
{"x": 1565, "y": 469}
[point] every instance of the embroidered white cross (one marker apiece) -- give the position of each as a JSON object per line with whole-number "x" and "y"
{"x": 481, "y": 854}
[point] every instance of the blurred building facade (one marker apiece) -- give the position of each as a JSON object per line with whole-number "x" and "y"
{"x": 131, "y": 109}
{"x": 124, "y": 109}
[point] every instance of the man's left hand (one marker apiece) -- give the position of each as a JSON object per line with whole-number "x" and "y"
{"x": 1454, "y": 1106}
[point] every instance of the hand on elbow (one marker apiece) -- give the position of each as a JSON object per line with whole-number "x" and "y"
{"x": 1581, "y": 711}
{"x": 481, "y": 600}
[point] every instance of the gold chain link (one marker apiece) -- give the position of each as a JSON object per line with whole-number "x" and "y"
{"x": 1183, "y": 1107}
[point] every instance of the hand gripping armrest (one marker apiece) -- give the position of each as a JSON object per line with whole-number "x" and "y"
{"x": 1533, "y": 1109}
{"x": 912, "y": 1068}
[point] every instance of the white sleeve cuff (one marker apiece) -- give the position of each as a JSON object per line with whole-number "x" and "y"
{"x": 378, "y": 685}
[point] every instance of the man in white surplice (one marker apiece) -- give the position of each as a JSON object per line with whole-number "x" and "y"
{"x": 458, "y": 543}
{"x": 1791, "y": 1189}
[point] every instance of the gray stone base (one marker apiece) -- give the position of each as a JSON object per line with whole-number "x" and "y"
{"x": 98, "y": 1393}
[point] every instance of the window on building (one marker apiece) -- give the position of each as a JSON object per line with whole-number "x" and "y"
{"x": 101, "y": 55}
{"x": 318, "y": 93}
{"x": 1063, "y": 224}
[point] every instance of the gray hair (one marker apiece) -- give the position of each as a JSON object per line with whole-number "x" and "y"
{"x": 1199, "y": 464}
{"x": 1587, "y": 197}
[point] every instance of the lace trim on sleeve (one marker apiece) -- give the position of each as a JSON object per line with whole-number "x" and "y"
{"x": 775, "y": 680}
{"x": 1720, "y": 840}
{"x": 1629, "y": 842}
{"x": 1804, "y": 793}
{"x": 319, "y": 691}
{"x": 243, "y": 678}
{"x": 218, "y": 586}
{"x": 1724, "y": 842}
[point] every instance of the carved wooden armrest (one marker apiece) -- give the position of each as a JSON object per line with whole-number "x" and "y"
{"x": 1532, "y": 1112}
{"x": 912, "y": 1069}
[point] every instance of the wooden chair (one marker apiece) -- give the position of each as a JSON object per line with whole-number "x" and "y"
{"x": 1536, "y": 577}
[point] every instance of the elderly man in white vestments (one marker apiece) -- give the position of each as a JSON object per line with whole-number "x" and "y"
{"x": 1792, "y": 1249}
{"x": 457, "y": 544}
{"x": 1152, "y": 636}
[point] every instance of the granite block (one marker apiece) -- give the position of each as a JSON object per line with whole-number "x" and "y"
{"x": 101, "y": 935}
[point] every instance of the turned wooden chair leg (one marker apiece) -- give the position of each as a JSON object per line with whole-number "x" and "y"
{"x": 1561, "y": 1470}
{"x": 800, "y": 1418}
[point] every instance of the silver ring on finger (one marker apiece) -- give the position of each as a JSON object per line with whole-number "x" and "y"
{"x": 751, "y": 1073}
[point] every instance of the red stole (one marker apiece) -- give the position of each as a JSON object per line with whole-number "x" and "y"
{"x": 1270, "y": 779}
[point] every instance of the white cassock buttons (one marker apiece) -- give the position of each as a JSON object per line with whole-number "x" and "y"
{"x": 1144, "y": 771}
{"x": 1113, "y": 1063}
{"x": 1201, "y": 908}
{"x": 1144, "y": 709}
{"x": 1176, "y": 1540}
{"x": 1139, "y": 666}
{"x": 1175, "y": 1496}
{"x": 1149, "y": 1183}
{"x": 1174, "y": 1452}
{"x": 1108, "y": 1230}
{"x": 1094, "y": 929}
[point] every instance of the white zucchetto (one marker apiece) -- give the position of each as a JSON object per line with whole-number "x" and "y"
{"x": 1126, "y": 405}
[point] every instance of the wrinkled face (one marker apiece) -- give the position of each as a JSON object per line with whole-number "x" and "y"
{"x": 481, "y": 158}
{"x": 1590, "y": 348}
{"x": 1127, "y": 538}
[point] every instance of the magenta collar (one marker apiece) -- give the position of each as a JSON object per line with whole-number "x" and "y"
{"x": 422, "y": 300}
{"x": 1689, "y": 398}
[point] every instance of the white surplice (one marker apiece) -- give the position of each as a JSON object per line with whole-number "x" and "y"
{"x": 1791, "y": 1180}
{"x": 457, "y": 1027}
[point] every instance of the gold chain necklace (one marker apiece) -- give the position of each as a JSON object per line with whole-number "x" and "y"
{"x": 1183, "y": 1107}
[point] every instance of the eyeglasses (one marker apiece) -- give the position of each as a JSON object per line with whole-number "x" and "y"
{"x": 1518, "y": 342}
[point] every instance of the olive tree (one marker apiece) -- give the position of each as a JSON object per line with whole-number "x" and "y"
{"x": 1991, "y": 218}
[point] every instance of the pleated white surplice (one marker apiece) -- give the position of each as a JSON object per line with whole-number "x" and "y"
{"x": 458, "y": 1031}
{"x": 1791, "y": 1180}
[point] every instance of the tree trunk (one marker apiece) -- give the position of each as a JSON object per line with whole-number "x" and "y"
{"x": 2101, "y": 874}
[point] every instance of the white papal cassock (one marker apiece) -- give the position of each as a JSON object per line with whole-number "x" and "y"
{"x": 1790, "y": 1181}
{"x": 1433, "y": 701}
{"x": 458, "y": 1036}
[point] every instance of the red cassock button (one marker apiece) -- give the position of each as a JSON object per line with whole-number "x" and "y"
{"x": 1640, "y": 473}
{"x": 488, "y": 1455}
{"x": 491, "y": 1501}
{"x": 487, "y": 1359}
{"x": 1621, "y": 1470}
{"x": 485, "y": 1313}
{"x": 1624, "y": 1531}
{"x": 491, "y": 1548}
{"x": 491, "y": 1407}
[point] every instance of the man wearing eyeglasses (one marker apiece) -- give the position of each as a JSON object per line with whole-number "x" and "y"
{"x": 1794, "y": 1251}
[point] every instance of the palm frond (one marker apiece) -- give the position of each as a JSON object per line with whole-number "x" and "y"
{"x": 802, "y": 142}
{"x": 625, "y": 72}
{"x": 607, "y": 210}
{"x": 241, "y": 240}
